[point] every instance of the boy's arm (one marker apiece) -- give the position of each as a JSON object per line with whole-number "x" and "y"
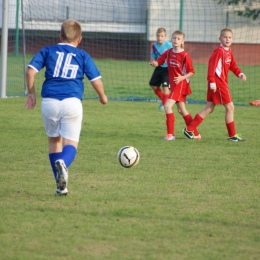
{"x": 242, "y": 76}
{"x": 99, "y": 88}
{"x": 180, "y": 78}
{"x": 154, "y": 63}
{"x": 212, "y": 69}
{"x": 160, "y": 60}
{"x": 31, "y": 97}
{"x": 237, "y": 71}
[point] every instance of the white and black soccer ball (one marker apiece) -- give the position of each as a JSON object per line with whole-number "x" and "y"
{"x": 128, "y": 156}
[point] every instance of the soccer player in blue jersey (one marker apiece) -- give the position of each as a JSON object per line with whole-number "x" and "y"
{"x": 62, "y": 92}
{"x": 160, "y": 75}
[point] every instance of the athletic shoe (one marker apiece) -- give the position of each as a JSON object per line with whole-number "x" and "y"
{"x": 255, "y": 103}
{"x": 169, "y": 137}
{"x": 60, "y": 192}
{"x": 62, "y": 175}
{"x": 236, "y": 138}
{"x": 189, "y": 134}
{"x": 161, "y": 107}
{"x": 197, "y": 137}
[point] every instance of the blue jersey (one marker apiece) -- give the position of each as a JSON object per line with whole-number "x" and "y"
{"x": 65, "y": 68}
{"x": 158, "y": 50}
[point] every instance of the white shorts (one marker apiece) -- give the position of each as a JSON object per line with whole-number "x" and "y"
{"x": 62, "y": 117}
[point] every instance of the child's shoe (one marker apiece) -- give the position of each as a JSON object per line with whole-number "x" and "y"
{"x": 189, "y": 134}
{"x": 60, "y": 192}
{"x": 197, "y": 137}
{"x": 236, "y": 138}
{"x": 169, "y": 137}
{"x": 62, "y": 175}
{"x": 161, "y": 107}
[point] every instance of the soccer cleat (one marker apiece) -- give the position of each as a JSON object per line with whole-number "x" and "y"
{"x": 169, "y": 137}
{"x": 62, "y": 175}
{"x": 161, "y": 107}
{"x": 189, "y": 134}
{"x": 197, "y": 137}
{"x": 60, "y": 192}
{"x": 255, "y": 103}
{"x": 236, "y": 138}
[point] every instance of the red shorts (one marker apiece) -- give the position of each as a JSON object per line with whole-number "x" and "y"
{"x": 221, "y": 96}
{"x": 177, "y": 97}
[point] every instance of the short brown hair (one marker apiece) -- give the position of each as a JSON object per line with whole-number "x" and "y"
{"x": 225, "y": 30}
{"x": 161, "y": 30}
{"x": 179, "y": 32}
{"x": 70, "y": 30}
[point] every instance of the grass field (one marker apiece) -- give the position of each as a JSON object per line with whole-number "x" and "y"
{"x": 128, "y": 80}
{"x": 186, "y": 199}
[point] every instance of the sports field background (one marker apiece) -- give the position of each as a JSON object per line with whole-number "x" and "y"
{"x": 119, "y": 34}
{"x": 185, "y": 199}
{"x": 128, "y": 80}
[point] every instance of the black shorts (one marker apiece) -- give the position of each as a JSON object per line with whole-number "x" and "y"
{"x": 159, "y": 77}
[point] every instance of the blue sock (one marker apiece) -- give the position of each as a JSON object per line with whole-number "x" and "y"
{"x": 53, "y": 158}
{"x": 68, "y": 154}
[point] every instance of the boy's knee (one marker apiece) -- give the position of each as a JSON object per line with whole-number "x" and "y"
{"x": 180, "y": 111}
{"x": 212, "y": 110}
{"x": 167, "y": 108}
{"x": 230, "y": 107}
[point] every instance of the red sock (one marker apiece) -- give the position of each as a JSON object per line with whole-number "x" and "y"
{"x": 231, "y": 129}
{"x": 170, "y": 123}
{"x": 159, "y": 93}
{"x": 188, "y": 120}
{"x": 195, "y": 123}
{"x": 165, "y": 97}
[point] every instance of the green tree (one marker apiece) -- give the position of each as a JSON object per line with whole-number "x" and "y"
{"x": 251, "y": 7}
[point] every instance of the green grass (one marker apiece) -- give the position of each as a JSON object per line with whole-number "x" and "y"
{"x": 184, "y": 200}
{"x": 129, "y": 80}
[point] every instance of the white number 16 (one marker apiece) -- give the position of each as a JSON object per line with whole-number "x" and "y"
{"x": 67, "y": 66}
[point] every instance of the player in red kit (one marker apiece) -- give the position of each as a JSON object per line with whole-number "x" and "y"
{"x": 180, "y": 69}
{"x": 220, "y": 62}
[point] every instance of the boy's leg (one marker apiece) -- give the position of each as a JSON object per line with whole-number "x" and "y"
{"x": 229, "y": 119}
{"x": 188, "y": 120}
{"x": 55, "y": 152}
{"x": 230, "y": 124}
{"x": 198, "y": 119}
{"x": 170, "y": 124}
{"x": 53, "y": 157}
{"x": 209, "y": 108}
{"x": 155, "y": 83}
{"x": 61, "y": 165}
{"x": 57, "y": 164}
{"x": 69, "y": 152}
{"x": 157, "y": 92}
{"x": 166, "y": 93}
{"x": 187, "y": 117}
{"x": 165, "y": 85}
{"x": 169, "y": 119}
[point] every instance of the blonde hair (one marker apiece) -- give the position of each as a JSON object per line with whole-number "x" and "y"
{"x": 179, "y": 32}
{"x": 160, "y": 30}
{"x": 70, "y": 30}
{"x": 225, "y": 30}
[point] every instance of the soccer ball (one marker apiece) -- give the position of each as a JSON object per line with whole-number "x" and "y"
{"x": 128, "y": 156}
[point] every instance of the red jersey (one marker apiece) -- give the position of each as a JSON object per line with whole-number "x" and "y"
{"x": 220, "y": 62}
{"x": 179, "y": 62}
